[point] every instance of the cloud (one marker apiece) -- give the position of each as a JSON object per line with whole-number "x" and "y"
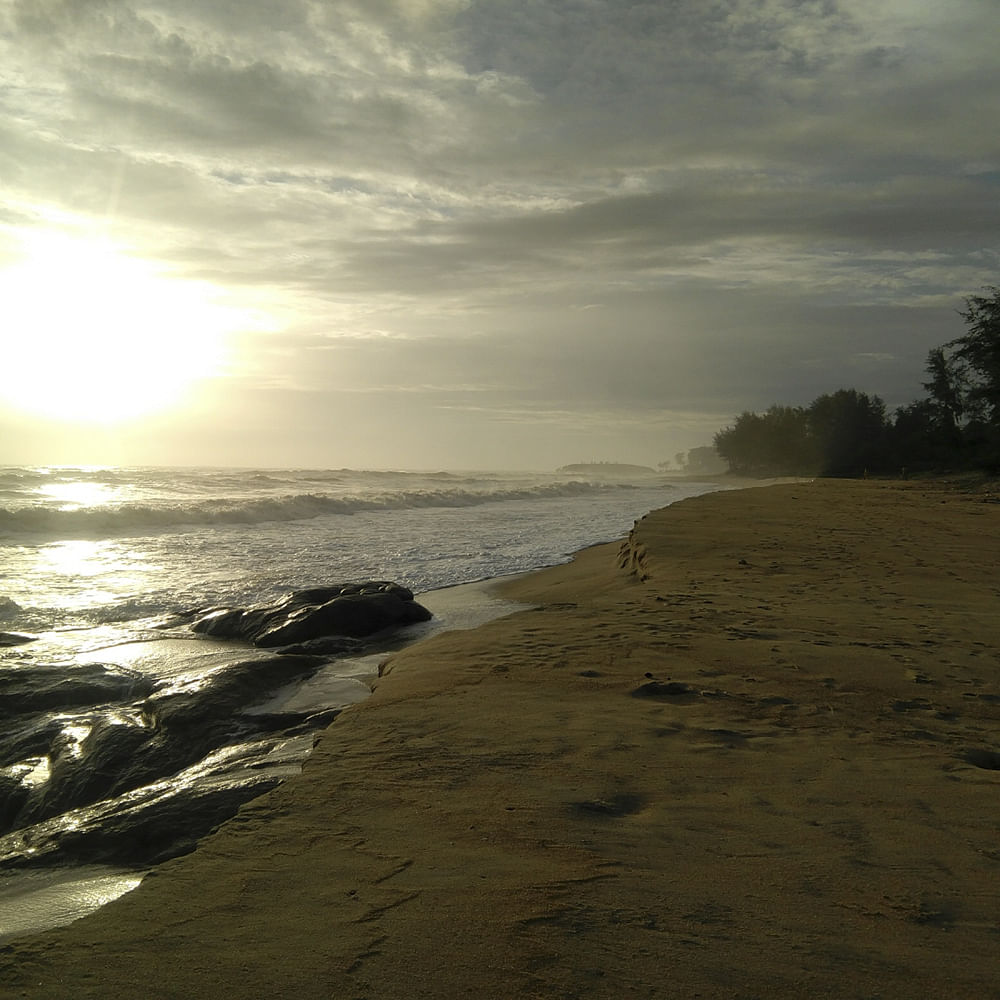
{"x": 759, "y": 199}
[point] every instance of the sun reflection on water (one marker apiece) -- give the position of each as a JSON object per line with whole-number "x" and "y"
{"x": 89, "y": 573}
{"x": 75, "y": 495}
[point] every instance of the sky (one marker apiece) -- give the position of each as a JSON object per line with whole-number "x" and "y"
{"x": 477, "y": 233}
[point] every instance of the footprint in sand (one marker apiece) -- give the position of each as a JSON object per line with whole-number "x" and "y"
{"x": 616, "y": 806}
{"x": 988, "y": 760}
{"x": 673, "y": 690}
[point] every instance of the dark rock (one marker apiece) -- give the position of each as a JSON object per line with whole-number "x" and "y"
{"x": 172, "y": 729}
{"x": 664, "y": 689}
{"x": 619, "y": 805}
{"x": 152, "y": 825}
{"x": 355, "y": 615}
{"x": 83, "y": 772}
{"x": 988, "y": 760}
{"x": 139, "y": 770}
{"x": 27, "y": 736}
{"x": 352, "y": 610}
{"x": 16, "y": 638}
{"x": 162, "y": 819}
{"x": 193, "y": 703}
{"x": 13, "y": 795}
{"x": 327, "y": 645}
{"x": 296, "y": 723}
{"x": 43, "y": 688}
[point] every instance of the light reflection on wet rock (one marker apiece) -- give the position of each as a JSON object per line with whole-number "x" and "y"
{"x": 131, "y": 763}
{"x": 356, "y": 610}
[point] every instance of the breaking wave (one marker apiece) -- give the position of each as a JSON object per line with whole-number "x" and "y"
{"x": 116, "y": 520}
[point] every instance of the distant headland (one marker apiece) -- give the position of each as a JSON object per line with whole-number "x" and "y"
{"x": 607, "y": 469}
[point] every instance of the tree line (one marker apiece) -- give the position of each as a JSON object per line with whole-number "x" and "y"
{"x": 848, "y": 433}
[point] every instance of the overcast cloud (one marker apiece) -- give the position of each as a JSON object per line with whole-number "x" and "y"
{"x": 513, "y": 232}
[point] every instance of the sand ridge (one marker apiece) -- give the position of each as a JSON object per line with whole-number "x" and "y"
{"x": 754, "y": 751}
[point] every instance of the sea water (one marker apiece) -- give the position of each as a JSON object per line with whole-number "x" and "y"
{"x": 92, "y": 558}
{"x": 83, "y": 547}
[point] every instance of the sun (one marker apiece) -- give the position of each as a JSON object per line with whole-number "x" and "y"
{"x": 92, "y": 334}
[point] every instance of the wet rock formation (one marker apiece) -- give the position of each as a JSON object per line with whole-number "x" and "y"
{"x": 353, "y": 610}
{"x": 139, "y": 782}
{"x": 43, "y": 688}
{"x": 103, "y": 764}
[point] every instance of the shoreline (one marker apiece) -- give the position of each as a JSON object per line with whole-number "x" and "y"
{"x": 750, "y": 750}
{"x": 36, "y": 900}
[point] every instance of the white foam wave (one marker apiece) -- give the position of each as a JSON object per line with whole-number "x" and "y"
{"x": 116, "y": 520}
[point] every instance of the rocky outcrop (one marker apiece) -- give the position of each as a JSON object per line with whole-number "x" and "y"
{"x": 16, "y": 638}
{"x": 151, "y": 824}
{"x": 352, "y": 610}
{"x": 124, "y": 748}
{"x": 100, "y": 763}
{"x": 45, "y": 688}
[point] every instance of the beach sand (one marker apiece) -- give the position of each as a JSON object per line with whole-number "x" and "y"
{"x": 752, "y": 752}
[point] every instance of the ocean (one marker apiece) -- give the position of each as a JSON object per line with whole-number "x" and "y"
{"x": 97, "y": 562}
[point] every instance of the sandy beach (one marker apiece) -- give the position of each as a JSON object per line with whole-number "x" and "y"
{"x": 751, "y": 751}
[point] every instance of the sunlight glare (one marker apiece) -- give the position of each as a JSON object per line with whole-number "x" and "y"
{"x": 85, "y": 574}
{"x": 93, "y": 335}
{"x": 74, "y": 495}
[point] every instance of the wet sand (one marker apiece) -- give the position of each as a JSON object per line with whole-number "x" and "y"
{"x": 752, "y": 752}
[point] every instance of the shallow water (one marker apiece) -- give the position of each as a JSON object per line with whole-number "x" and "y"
{"x": 40, "y": 900}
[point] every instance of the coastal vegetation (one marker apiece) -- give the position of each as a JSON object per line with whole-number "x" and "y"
{"x": 849, "y": 433}
{"x": 704, "y": 461}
